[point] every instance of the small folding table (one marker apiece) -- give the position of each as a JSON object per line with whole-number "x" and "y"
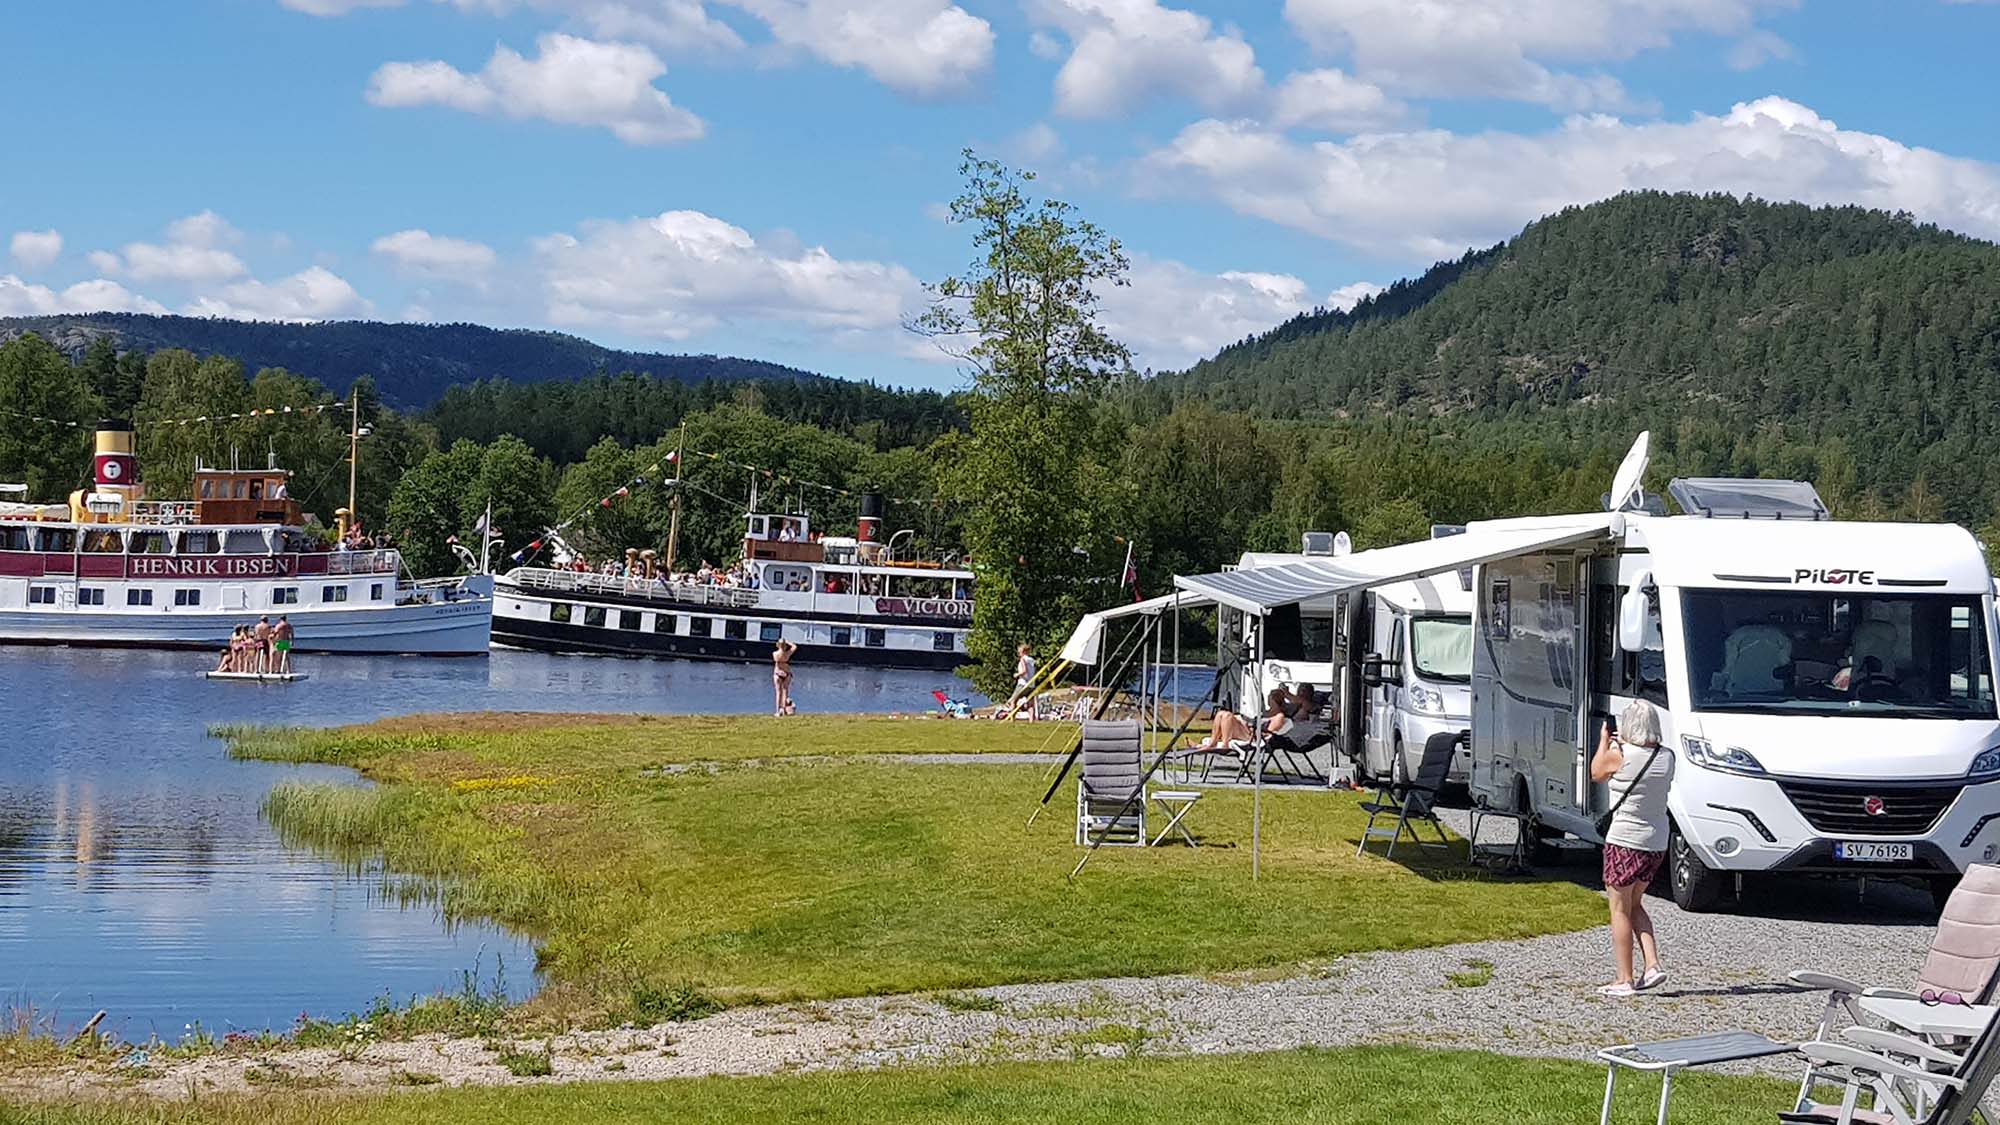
{"x": 1670, "y": 1055}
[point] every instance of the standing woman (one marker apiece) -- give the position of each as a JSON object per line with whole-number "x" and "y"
{"x": 781, "y": 675}
{"x": 1639, "y": 770}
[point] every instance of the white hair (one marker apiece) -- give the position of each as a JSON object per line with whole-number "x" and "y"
{"x": 1639, "y": 724}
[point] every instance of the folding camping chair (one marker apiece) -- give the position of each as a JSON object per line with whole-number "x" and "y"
{"x": 1111, "y": 795}
{"x": 1411, "y": 802}
{"x": 1964, "y": 958}
{"x": 1901, "y": 1088}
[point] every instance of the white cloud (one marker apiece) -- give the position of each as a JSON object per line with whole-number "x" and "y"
{"x": 1044, "y": 46}
{"x": 571, "y": 81}
{"x": 36, "y": 248}
{"x": 1332, "y": 101}
{"x": 195, "y": 251}
{"x": 675, "y": 25}
{"x": 1756, "y": 49}
{"x": 1125, "y": 51}
{"x": 1434, "y": 193}
{"x": 335, "y": 7}
{"x": 1172, "y": 315}
{"x": 18, "y": 298}
{"x": 1499, "y": 48}
{"x": 921, "y": 47}
{"x": 315, "y": 293}
{"x": 424, "y": 253}
{"x": 680, "y": 273}
{"x": 1351, "y": 294}
{"x": 1035, "y": 144}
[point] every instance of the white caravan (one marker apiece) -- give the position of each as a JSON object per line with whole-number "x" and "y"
{"x": 1409, "y": 677}
{"x": 1829, "y": 687}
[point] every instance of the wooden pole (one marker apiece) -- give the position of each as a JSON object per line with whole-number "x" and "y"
{"x": 674, "y": 520}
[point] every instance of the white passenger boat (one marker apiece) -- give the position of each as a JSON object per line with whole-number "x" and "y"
{"x": 842, "y": 600}
{"x": 113, "y": 568}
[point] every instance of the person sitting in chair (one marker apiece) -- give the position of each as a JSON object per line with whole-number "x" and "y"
{"x": 1230, "y": 728}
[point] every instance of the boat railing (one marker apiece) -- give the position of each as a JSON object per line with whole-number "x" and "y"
{"x": 381, "y": 561}
{"x": 163, "y": 513}
{"x": 585, "y": 582}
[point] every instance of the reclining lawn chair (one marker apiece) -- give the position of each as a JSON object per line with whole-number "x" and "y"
{"x": 1111, "y": 793}
{"x": 1964, "y": 959}
{"x": 1298, "y": 751}
{"x": 1411, "y": 802}
{"x": 1900, "y": 1087}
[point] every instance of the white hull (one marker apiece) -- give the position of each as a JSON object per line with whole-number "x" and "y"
{"x": 260, "y": 677}
{"x": 455, "y": 628}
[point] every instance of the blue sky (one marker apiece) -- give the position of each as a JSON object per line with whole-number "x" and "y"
{"x": 766, "y": 177}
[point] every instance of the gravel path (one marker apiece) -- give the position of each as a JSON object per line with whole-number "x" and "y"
{"x": 1538, "y": 998}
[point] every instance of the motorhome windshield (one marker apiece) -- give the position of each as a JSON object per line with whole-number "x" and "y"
{"x": 1441, "y": 648}
{"x": 1798, "y": 652}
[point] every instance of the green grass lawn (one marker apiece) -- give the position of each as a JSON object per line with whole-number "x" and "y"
{"x": 820, "y": 878}
{"x": 1362, "y": 1086}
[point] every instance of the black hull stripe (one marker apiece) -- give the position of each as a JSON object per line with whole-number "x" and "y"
{"x": 758, "y": 613}
{"x": 199, "y": 646}
{"x": 553, "y": 636}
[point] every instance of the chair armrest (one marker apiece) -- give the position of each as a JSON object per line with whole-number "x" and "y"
{"x": 1853, "y": 1058}
{"x": 1889, "y": 993}
{"x": 1891, "y": 1043}
{"x": 1828, "y": 981}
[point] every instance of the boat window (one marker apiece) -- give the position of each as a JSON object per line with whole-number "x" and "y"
{"x": 735, "y": 629}
{"x": 55, "y": 539}
{"x": 187, "y": 597}
{"x": 593, "y": 615}
{"x": 102, "y": 541}
{"x": 840, "y": 554}
{"x": 918, "y": 586}
{"x": 698, "y": 626}
{"x": 794, "y": 578}
{"x": 1802, "y": 652}
{"x": 200, "y": 543}
{"x": 13, "y": 538}
{"x": 285, "y": 595}
{"x": 244, "y": 541}
{"x": 375, "y": 591}
{"x": 961, "y": 589}
{"x": 90, "y": 595}
{"x": 559, "y": 612}
{"x": 256, "y": 490}
{"x": 843, "y": 635}
{"x": 770, "y": 632}
{"x": 41, "y": 595}
{"x": 873, "y": 585}
{"x": 836, "y": 582}
{"x": 663, "y": 623}
{"x": 236, "y": 490}
{"x": 207, "y": 489}
{"x": 630, "y": 619}
{"x": 333, "y": 593}
{"x": 151, "y": 543}
{"x": 1441, "y": 648}
{"x": 875, "y": 638}
{"x": 293, "y": 541}
{"x": 138, "y": 597}
{"x": 942, "y": 642}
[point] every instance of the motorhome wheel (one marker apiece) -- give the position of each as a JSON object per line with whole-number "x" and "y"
{"x": 1542, "y": 849}
{"x": 1399, "y": 769}
{"x": 1697, "y": 887}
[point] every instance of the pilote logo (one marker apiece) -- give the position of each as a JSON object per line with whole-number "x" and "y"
{"x": 1873, "y": 806}
{"x": 1834, "y": 576}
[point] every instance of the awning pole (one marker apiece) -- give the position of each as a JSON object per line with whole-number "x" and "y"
{"x": 1257, "y": 763}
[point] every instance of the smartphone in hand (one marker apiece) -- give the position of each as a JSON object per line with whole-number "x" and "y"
{"x": 1611, "y": 725}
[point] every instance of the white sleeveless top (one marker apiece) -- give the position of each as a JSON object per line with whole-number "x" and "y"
{"x": 1641, "y": 822}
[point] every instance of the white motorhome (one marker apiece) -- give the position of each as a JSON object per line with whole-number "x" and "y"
{"x": 1828, "y": 687}
{"x": 1406, "y": 675}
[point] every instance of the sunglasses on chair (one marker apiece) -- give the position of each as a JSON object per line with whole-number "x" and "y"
{"x": 1931, "y": 997}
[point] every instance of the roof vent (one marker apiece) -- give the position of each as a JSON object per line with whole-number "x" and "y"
{"x": 1730, "y": 498}
{"x": 1316, "y": 543}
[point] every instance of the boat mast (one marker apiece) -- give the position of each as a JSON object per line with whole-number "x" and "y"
{"x": 353, "y": 456}
{"x": 674, "y": 520}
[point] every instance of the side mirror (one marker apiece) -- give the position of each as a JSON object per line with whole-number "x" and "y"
{"x": 1377, "y": 671}
{"x": 1633, "y": 611}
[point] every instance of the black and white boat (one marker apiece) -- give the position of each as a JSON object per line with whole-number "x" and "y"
{"x": 841, "y": 600}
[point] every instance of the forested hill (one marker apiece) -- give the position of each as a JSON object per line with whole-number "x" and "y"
{"x": 412, "y": 363}
{"x": 1750, "y": 336}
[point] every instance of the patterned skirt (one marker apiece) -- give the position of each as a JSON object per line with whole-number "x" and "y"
{"x": 1625, "y": 866}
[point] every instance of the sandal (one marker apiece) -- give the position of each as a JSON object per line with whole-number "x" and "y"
{"x": 1620, "y": 990}
{"x": 1653, "y": 978}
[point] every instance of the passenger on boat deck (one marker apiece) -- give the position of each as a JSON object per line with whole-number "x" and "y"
{"x": 785, "y": 533}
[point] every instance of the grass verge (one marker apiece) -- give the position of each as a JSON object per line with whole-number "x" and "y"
{"x": 830, "y": 870}
{"x": 1357, "y": 1086}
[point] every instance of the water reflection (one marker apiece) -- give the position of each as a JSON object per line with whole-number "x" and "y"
{"x": 136, "y": 876}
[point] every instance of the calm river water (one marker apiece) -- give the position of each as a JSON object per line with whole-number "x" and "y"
{"x": 137, "y": 877}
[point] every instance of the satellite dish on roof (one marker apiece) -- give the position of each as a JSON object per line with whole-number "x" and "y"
{"x": 1631, "y": 471}
{"x": 1343, "y": 543}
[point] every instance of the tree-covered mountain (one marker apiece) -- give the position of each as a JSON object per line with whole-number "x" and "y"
{"x": 1855, "y": 347}
{"x": 412, "y": 363}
